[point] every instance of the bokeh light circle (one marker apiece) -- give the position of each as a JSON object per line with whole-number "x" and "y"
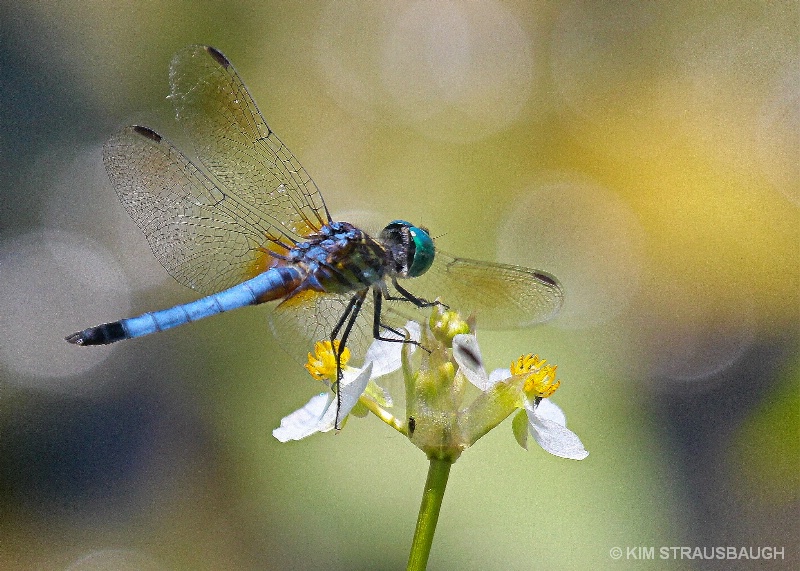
{"x": 84, "y": 202}
{"x": 452, "y": 71}
{"x": 458, "y": 71}
{"x": 52, "y": 284}
{"x": 587, "y": 237}
{"x": 691, "y": 353}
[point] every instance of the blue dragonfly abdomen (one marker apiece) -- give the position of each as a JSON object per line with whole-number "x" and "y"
{"x": 273, "y": 284}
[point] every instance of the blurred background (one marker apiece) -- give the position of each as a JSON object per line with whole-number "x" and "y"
{"x": 644, "y": 153}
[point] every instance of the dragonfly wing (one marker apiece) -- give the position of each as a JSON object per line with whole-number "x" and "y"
{"x": 202, "y": 236}
{"x": 234, "y": 143}
{"x": 502, "y": 296}
{"x": 314, "y": 316}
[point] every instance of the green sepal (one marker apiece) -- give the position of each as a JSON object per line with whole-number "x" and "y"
{"x": 359, "y": 410}
{"x": 520, "y": 428}
{"x": 380, "y": 395}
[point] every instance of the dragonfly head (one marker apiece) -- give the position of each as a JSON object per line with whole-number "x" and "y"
{"x": 410, "y": 247}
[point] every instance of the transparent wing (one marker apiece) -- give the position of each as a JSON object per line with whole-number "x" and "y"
{"x": 313, "y": 318}
{"x": 206, "y": 239}
{"x": 234, "y": 143}
{"x": 502, "y": 296}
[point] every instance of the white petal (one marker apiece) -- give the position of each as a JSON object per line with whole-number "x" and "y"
{"x": 551, "y": 411}
{"x": 352, "y": 388}
{"x": 468, "y": 356}
{"x": 554, "y": 437}
{"x": 498, "y": 375}
{"x": 304, "y": 421}
{"x": 414, "y": 330}
{"x": 320, "y": 413}
{"x": 385, "y": 355}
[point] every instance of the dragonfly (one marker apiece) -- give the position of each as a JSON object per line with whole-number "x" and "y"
{"x": 244, "y": 224}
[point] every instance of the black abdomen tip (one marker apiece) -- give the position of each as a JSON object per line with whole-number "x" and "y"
{"x": 76, "y": 338}
{"x": 100, "y": 335}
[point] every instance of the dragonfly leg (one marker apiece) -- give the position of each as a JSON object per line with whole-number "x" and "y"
{"x": 406, "y": 295}
{"x": 347, "y": 320}
{"x": 377, "y": 325}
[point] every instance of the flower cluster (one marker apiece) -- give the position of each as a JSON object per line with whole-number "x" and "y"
{"x": 450, "y": 399}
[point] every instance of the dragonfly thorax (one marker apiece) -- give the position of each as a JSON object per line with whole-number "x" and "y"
{"x": 339, "y": 258}
{"x": 409, "y": 248}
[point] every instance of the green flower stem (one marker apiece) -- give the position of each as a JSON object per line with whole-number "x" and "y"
{"x": 432, "y": 496}
{"x": 385, "y": 416}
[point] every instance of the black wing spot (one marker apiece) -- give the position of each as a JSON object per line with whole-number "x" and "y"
{"x": 546, "y": 279}
{"x": 146, "y": 132}
{"x": 217, "y": 55}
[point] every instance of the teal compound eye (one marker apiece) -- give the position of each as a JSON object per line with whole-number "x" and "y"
{"x": 424, "y": 251}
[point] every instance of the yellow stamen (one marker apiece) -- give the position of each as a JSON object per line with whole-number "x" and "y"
{"x": 322, "y": 365}
{"x": 541, "y": 378}
{"x": 526, "y": 364}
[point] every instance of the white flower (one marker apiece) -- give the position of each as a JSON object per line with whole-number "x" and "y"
{"x": 545, "y": 421}
{"x": 320, "y": 413}
{"x": 325, "y": 411}
{"x": 548, "y": 426}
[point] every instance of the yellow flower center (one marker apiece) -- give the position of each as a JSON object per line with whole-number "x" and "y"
{"x": 540, "y": 378}
{"x": 322, "y": 365}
